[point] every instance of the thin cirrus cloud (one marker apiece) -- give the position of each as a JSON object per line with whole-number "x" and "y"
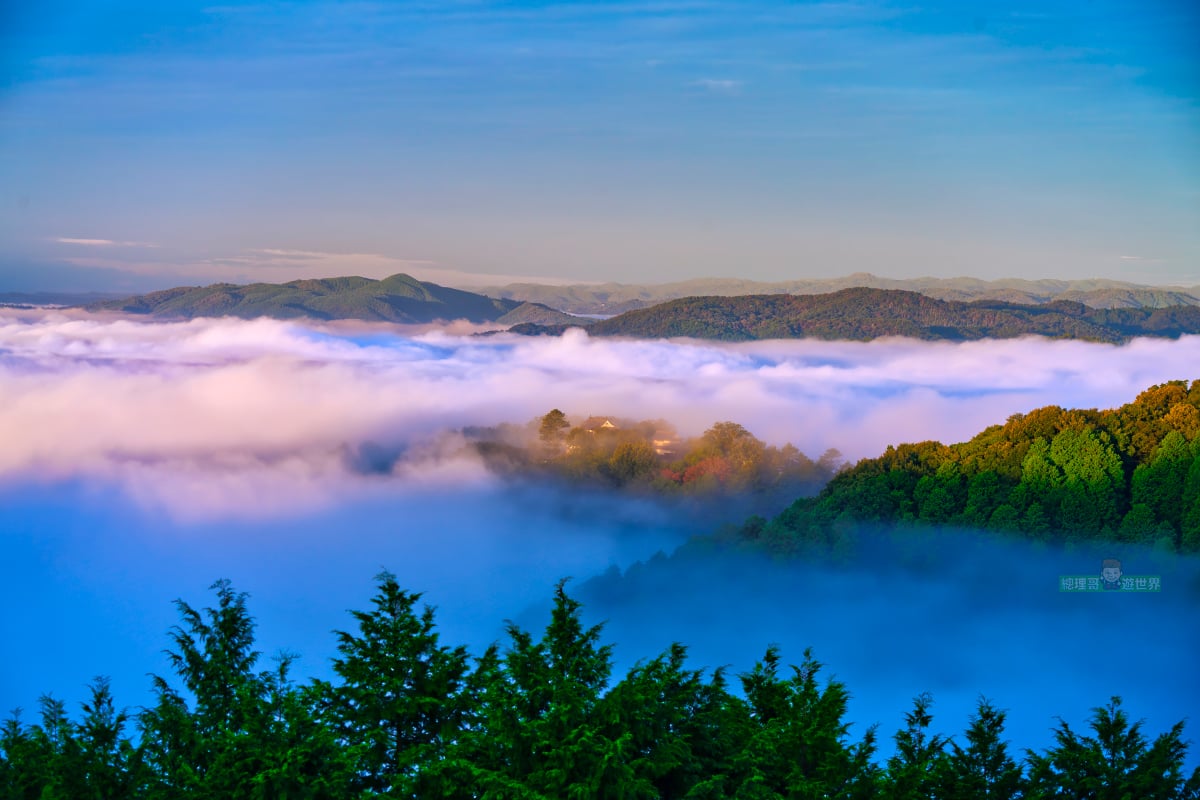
{"x": 719, "y": 85}
{"x": 223, "y": 417}
{"x": 277, "y": 265}
{"x": 280, "y": 264}
{"x": 264, "y": 263}
{"x": 101, "y": 242}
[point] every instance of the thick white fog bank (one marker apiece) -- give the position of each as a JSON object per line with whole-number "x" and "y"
{"x": 250, "y": 418}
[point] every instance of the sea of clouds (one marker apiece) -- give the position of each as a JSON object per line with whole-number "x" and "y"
{"x": 225, "y": 417}
{"x": 141, "y": 461}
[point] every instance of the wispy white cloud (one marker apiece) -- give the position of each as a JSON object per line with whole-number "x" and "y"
{"x": 719, "y": 85}
{"x": 282, "y": 253}
{"x": 101, "y": 242}
{"x": 282, "y": 264}
{"x": 291, "y": 254}
{"x": 273, "y": 264}
{"x": 320, "y": 264}
{"x": 228, "y": 10}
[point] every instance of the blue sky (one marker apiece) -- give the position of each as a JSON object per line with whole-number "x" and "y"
{"x": 147, "y": 144}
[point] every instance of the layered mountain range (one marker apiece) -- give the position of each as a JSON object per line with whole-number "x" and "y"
{"x": 616, "y": 298}
{"x": 864, "y": 314}
{"x": 860, "y": 312}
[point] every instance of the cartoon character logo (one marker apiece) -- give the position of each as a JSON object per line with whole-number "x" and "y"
{"x": 1110, "y": 574}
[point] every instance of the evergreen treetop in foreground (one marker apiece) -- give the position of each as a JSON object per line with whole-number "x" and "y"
{"x": 541, "y": 719}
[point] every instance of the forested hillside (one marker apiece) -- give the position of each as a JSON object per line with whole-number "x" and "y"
{"x": 400, "y": 298}
{"x": 617, "y": 298}
{"x": 864, "y": 314}
{"x": 543, "y": 718}
{"x": 649, "y": 457}
{"x": 1130, "y": 474}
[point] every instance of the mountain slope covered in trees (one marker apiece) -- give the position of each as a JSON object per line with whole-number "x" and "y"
{"x": 856, "y": 313}
{"x": 407, "y": 716}
{"x": 400, "y": 298}
{"x": 648, "y": 457}
{"x": 865, "y": 314}
{"x": 1130, "y": 474}
{"x": 617, "y": 298}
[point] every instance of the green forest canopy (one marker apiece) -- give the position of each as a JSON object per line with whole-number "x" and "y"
{"x": 409, "y": 717}
{"x": 864, "y": 314}
{"x": 1130, "y": 474}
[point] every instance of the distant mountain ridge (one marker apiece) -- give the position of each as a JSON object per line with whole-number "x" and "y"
{"x": 850, "y": 313}
{"x": 399, "y": 298}
{"x": 617, "y": 298}
{"x": 864, "y": 314}
{"x": 55, "y": 298}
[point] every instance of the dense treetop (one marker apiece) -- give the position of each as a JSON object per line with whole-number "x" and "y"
{"x": 542, "y": 718}
{"x": 1129, "y": 474}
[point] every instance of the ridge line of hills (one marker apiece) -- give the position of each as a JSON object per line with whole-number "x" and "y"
{"x": 399, "y": 298}
{"x": 859, "y": 313}
{"x": 864, "y": 314}
{"x": 617, "y": 298}
{"x": 610, "y": 299}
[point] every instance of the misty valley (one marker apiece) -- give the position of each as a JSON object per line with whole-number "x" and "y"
{"x": 577, "y": 400}
{"x": 639, "y": 581}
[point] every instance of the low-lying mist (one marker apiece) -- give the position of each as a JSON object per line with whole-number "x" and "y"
{"x": 960, "y": 615}
{"x": 234, "y": 418}
{"x": 90, "y": 577}
{"x": 141, "y": 461}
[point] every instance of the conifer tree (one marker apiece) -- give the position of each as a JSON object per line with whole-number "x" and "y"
{"x": 109, "y": 765}
{"x": 1117, "y": 762}
{"x": 301, "y": 756}
{"x": 540, "y": 718}
{"x": 552, "y": 431}
{"x": 35, "y": 760}
{"x": 214, "y": 749}
{"x": 983, "y": 770}
{"x": 798, "y": 746}
{"x": 920, "y": 755}
{"x": 400, "y": 700}
{"x": 15, "y": 759}
{"x": 682, "y": 730}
